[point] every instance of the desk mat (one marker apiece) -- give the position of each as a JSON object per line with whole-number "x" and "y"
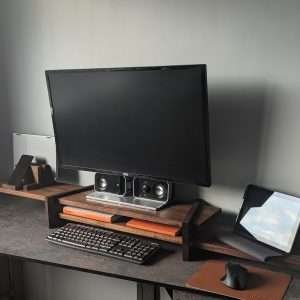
{"x": 262, "y": 285}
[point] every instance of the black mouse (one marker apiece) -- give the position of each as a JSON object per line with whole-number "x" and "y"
{"x": 235, "y": 277}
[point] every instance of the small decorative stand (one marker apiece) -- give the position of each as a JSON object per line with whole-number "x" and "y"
{"x": 29, "y": 176}
{"x": 36, "y": 181}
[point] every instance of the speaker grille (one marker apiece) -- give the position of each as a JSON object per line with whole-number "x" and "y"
{"x": 115, "y": 184}
{"x": 151, "y": 189}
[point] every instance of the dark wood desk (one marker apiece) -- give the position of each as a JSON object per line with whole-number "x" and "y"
{"x": 23, "y": 228}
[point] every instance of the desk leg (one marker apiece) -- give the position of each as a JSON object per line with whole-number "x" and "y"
{"x": 147, "y": 291}
{"x": 5, "y": 287}
{"x": 16, "y": 278}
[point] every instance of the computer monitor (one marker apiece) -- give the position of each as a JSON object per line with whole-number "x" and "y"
{"x": 145, "y": 121}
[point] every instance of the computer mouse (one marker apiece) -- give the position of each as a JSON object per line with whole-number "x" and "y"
{"x": 235, "y": 276}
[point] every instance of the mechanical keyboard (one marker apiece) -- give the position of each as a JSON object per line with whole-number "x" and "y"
{"x": 104, "y": 242}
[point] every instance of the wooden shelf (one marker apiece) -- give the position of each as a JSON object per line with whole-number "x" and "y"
{"x": 121, "y": 226}
{"x": 42, "y": 194}
{"x": 187, "y": 217}
{"x": 172, "y": 215}
{"x": 221, "y": 248}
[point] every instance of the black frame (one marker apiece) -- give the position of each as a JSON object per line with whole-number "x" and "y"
{"x": 239, "y": 230}
{"x": 205, "y": 126}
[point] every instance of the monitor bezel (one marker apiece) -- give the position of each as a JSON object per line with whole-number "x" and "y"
{"x": 205, "y": 116}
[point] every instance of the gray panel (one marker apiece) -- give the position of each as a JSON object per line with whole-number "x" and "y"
{"x": 41, "y": 147}
{"x": 58, "y": 284}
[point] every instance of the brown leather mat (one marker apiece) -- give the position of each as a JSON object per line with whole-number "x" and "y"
{"x": 262, "y": 285}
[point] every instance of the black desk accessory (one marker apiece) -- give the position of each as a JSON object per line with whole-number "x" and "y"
{"x": 30, "y": 176}
{"x": 235, "y": 276}
{"x": 262, "y": 238}
{"x": 21, "y": 174}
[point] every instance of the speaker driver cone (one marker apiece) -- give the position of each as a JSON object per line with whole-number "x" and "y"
{"x": 159, "y": 191}
{"x": 102, "y": 184}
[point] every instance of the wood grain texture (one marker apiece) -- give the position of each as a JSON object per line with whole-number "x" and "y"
{"x": 154, "y": 227}
{"x": 219, "y": 247}
{"x": 90, "y": 214}
{"x": 172, "y": 215}
{"x": 43, "y": 193}
{"x": 121, "y": 227}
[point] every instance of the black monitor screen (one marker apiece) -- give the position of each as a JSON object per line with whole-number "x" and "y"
{"x": 149, "y": 121}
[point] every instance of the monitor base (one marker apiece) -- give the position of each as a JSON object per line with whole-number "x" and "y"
{"x": 118, "y": 200}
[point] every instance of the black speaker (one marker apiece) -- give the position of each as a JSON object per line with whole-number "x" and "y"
{"x": 114, "y": 184}
{"x": 152, "y": 189}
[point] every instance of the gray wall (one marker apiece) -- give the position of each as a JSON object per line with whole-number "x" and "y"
{"x": 52, "y": 283}
{"x": 5, "y": 112}
{"x": 5, "y": 146}
{"x": 252, "y": 52}
{"x": 251, "y": 48}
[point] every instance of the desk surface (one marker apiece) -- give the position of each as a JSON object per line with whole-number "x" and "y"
{"x": 23, "y": 228}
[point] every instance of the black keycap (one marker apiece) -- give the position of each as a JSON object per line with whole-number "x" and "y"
{"x": 103, "y": 242}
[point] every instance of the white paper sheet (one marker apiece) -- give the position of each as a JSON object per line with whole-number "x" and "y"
{"x": 276, "y": 222}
